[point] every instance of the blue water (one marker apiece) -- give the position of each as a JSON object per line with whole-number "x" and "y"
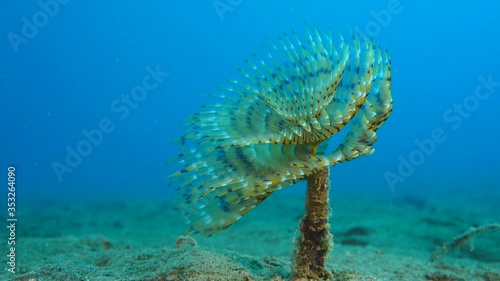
{"x": 69, "y": 75}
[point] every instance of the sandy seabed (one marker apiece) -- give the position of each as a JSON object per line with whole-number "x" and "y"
{"x": 374, "y": 239}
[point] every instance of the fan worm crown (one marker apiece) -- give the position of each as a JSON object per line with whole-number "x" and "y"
{"x": 271, "y": 126}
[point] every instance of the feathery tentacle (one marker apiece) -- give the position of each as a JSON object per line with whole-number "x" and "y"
{"x": 271, "y": 127}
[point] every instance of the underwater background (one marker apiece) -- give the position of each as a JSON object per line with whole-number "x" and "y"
{"x": 81, "y": 145}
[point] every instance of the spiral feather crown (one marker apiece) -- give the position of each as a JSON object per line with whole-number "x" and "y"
{"x": 271, "y": 126}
